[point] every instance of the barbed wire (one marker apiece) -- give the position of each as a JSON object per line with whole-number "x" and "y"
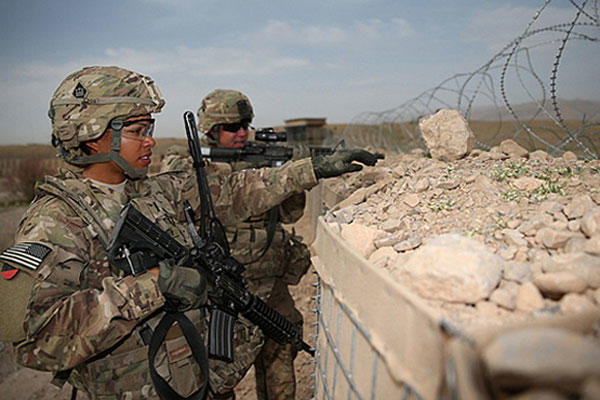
{"x": 538, "y": 121}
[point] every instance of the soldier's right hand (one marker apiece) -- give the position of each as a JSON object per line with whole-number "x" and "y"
{"x": 341, "y": 162}
{"x": 184, "y": 288}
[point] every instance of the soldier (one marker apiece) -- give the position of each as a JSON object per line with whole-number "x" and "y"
{"x": 274, "y": 258}
{"x": 86, "y": 321}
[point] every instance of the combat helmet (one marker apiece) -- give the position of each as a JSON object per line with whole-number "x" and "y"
{"x": 223, "y": 107}
{"x": 88, "y": 101}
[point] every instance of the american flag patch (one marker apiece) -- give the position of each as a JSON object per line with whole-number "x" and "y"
{"x": 28, "y": 255}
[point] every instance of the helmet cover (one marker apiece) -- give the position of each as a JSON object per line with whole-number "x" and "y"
{"x": 87, "y": 100}
{"x": 223, "y": 107}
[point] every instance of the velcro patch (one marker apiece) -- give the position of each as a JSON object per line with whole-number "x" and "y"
{"x": 28, "y": 255}
{"x": 8, "y": 272}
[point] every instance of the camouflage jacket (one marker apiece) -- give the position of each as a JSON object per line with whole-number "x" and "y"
{"x": 287, "y": 258}
{"x": 83, "y": 313}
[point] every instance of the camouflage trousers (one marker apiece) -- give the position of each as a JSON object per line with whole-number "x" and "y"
{"x": 274, "y": 366}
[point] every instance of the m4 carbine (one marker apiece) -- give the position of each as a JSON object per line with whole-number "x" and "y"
{"x": 263, "y": 152}
{"x": 137, "y": 244}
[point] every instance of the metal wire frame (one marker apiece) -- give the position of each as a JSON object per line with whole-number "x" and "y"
{"x": 325, "y": 300}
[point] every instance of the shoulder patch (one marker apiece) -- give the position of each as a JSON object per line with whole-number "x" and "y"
{"x": 26, "y": 254}
{"x": 8, "y": 272}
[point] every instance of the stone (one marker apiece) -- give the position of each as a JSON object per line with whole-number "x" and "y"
{"x": 541, "y": 357}
{"x": 539, "y": 394}
{"x": 383, "y": 257}
{"x": 412, "y": 242}
{"x": 508, "y": 253}
{"x": 514, "y": 237}
{"x": 505, "y": 295}
{"x": 591, "y": 389}
{"x": 393, "y": 225}
{"x": 578, "y": 206}
{"x": 540, "y": 155}
{"x": 574, "y": 303}
{"x": 391, "y": 240}
{"x": 345, "y": 215}
{"x": 569, "y": 156}
{"x": 531, "y": 226}
{"x": 458, "y": 269}
{"x": 447, "y": 135}
{"x": 399, "y": 171}
{"x": 590, "y": 222}
{"x": 527, "y": 183}
{"x": 513, "y": 149}
{"x": 574, "y": 225}
{"x": 361, "y": 237}
{"x": 551, "y": 207}
{"x": 592, "y": 245}
{"x": 584, "y": 265}
{"x": 487, "y": 309}
{"x": 422, "y": 185}
{"x": 517, "y": 271}
{"x": 447, "y": 184}
{"x": 529, "y": 298}
{"x": 411, "y": 200}
{"x": 559, "y": 283}
{"x": 553, "y": 238}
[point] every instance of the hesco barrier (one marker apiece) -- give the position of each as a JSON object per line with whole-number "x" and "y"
{"x": 377, "y": 340}
{"x": 374, "y": 340}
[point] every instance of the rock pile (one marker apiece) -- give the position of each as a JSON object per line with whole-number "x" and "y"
{"x": 496, "y": 236}
{"x": 500, "y": 231}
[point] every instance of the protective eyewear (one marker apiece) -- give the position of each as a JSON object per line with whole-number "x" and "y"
{"x": 236, "y": 126}
{"x": 138, "y": 129}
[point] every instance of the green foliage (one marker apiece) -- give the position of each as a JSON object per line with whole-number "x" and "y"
{"x": 550, "y": 186}
{"x": 500, "y": 221}
{"x": 442, "y": 204}
{"x": 510, "y": 170}
{"x": 511, "y": 195}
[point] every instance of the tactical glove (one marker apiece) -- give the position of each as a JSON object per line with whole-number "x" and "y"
{"x": 300, "y": 151}
{"x": 184, "y": 288}
{"x": 341, "y": 162}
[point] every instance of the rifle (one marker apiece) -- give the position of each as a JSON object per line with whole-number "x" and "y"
{"x": 144, "y": 244}
{"x": 264, "y": 151}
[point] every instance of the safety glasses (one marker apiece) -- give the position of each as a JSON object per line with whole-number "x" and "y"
{"x": 236, "y": 126}
{"x": 138, "y": 129}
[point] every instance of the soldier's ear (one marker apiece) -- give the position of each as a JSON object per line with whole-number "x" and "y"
{"x": 93, "y": 146}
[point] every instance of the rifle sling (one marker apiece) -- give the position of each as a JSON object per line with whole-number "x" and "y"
{"x": 273, "y": 219}
{"x": 196, "y": 343}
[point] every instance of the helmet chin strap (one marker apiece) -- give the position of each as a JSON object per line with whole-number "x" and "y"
{"x": 112, "y": 155}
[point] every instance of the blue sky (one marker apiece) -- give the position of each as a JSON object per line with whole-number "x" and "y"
{"x": 320, "y": 58}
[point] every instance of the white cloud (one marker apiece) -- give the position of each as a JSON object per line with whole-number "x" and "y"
{"x": 498, "y": 27}
{"x": 284, "y": 33}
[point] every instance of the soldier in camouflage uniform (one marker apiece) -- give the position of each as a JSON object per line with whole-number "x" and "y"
{"x": 85, "y": 320}
{"x": 224, "y": 117}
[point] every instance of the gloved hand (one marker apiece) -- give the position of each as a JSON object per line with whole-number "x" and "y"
{"x": 341, "y": 162}
{"x": 300, "y": 151}
{"x": 184, "y": 288}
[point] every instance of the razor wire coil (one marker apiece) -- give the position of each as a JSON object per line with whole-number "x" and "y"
{"x": 546, "y": 128}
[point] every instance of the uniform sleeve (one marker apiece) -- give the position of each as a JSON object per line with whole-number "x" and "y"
{"x": 243, "y": 194}
{"x": 292, "y": 209}
{"x": 67, "y": 321}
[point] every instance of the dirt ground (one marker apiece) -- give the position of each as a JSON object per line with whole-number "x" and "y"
{"x": 18, "y": 383}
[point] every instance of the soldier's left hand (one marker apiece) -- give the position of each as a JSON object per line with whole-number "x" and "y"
{"x": 301, "y": 151}
{"x": 342, "y": 161}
